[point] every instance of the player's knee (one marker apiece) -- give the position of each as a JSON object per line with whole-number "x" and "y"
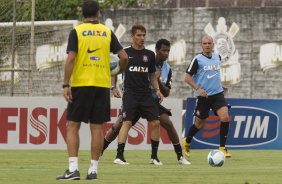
{"x": 166, "y": 124}
{"x": 127, "y": 124}
{"x": 116, "y": 129}
{"x": 224, "y": 119}
{"x": 199, "y": 126}
{"x": 155, "y": 123}
{"x": 199, "y": 123}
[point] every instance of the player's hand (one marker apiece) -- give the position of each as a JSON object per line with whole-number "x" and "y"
{"x": 116, "y": 93}
{"x": 158, "y": 72}
{"x": 225, "y": 89}
{"x": 203, "y": 93}
{"x": 67, "y": 94}
{"x": 160, "y": 96}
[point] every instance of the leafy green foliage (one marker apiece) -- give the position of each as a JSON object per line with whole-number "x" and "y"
{"x": 62, "y": 9}
{"x": 57, "y": 9}
{"x": 23, "y": 10}
{"x": 115, "y": 4}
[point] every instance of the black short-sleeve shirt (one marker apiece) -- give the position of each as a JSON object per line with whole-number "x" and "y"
{"x": 136, "y": 75}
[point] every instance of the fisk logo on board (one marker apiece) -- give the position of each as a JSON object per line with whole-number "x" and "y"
{"x": 41, "y": 125}
{"x": 249, "y": 126}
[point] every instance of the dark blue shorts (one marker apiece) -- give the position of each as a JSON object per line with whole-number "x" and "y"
{"x": 89, "y": 104}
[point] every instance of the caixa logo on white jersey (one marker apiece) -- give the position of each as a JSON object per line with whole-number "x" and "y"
{"x": 249, "y": 127}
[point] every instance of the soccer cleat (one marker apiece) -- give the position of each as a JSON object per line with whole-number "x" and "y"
{"x": 224, "y": 150}
{"x": 120, "y": 161}
{"x": 183, "y": 161}
{"x": 185, "y": 148}
{"x": 75, "y": 175}
{"x": 156, "y": 161}
{"x": 92, "y": 176}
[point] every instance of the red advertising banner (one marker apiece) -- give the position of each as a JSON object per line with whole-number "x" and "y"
{"x": 40, "y": 123}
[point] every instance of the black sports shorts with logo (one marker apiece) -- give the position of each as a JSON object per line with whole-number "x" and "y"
{"x": 89, "y": 104}
{"x": 143, "y": 104}
{"x": 162, "y": 110}
{"x": 203, "y": 105}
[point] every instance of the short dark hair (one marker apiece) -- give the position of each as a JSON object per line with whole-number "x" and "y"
{"x": 90, "y": 8}
{"x": 161, "y": 42}
{"x": 137, "y": 27}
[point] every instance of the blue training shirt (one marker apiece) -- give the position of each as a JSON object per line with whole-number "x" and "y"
{"x": 205, "y": 72}
{"x": 165, "y": 77}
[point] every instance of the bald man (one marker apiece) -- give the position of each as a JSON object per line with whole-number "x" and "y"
{"x": 203, "y": 75}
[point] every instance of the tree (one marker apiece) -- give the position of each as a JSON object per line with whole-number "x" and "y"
{"x": 57, "y": 9}
{"x": 115, "y": 4}
{"x": 64, "y": 9}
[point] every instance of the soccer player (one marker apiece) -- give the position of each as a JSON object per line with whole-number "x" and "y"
{"x": 87, "y": 82}
{"x": 137, "y": 96}
{"x": 203, "y": 74}
{"x": 164, "y": 74}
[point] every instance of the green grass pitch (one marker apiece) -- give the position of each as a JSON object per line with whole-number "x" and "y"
{"x": 42, "y": 167}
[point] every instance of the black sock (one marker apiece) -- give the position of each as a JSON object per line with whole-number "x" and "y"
{"x": 120, "y": 150}
{"x": 178, "y": 150}
{"x": 155, "y": 147}
{"x": 224, "y": 128}
{"x": 192, "y": 131}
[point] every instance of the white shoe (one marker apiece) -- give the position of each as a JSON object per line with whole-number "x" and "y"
{"x": 183, "y": 161}
{"x": 120, "y": 162}
{"x": 156, "y": 162}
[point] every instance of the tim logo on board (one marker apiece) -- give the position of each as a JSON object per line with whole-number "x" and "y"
{"x": 251, "y": 127}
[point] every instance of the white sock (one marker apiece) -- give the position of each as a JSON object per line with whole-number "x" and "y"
{"x": 73, "y": 164}
{"x": 93, "y": 166}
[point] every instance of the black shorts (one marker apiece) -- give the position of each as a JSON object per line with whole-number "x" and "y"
{"x": 89, "y": 104}
{"x": 203, "y": 105}
{"x": 163, "y": 110}
{"x": 137, "y": 116}
{"x": 135, "y": 104}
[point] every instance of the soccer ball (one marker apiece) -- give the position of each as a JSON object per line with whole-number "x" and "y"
{"x": 114, "y": 64}
{"x": 216, "y": 158}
